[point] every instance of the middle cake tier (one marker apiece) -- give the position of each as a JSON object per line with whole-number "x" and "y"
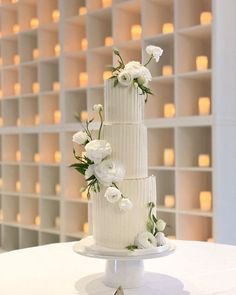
{"x": 129, "y": 147}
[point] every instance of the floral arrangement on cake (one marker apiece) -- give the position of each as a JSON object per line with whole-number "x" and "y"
{"x": 96, "y": 166}
{"x": 134, "y": 72}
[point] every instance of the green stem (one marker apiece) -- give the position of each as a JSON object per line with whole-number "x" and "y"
{"x": 123, "y": 64}
{"x": 101, "y": 124}
{"x": 151, "y": 57}
{"x": 113, "y": 183}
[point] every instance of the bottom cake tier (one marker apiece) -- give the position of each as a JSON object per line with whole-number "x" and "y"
{"x": 117, "y": 229}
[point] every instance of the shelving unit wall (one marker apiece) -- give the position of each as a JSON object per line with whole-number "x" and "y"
{"x": 40, "y": 198}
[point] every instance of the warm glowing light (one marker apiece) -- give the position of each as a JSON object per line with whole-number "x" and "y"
{"x": 167, "y": 28}
{"x": 14, "y": 1}
{"x": 82, "y": 10}
{"x": 171, "y": 237}
{"x": 18, "y": 218}
{"x": 1, "y": 121}
{"x": 1, "y": 183}
{"x": 205, "y": 18}
{"x": 1, "y": 215}
{"x": 57, "y": 222}
{"x": 17, "y": 88}
{"x": 106, "y": 3}
{"x": 16, "y": 59}
{"x": 18, "y": 156}
{"x": 205, "y": 200}
{"x": 169, "y": 110}
{"x": 169, "y": 201}
{"x": 34, "y": 23}
{"x": 35, "y": 53}
{"x": 37, "y": 220}
{"x": 36, "y": 157}
{"x": 84, "y": 195}
{"x": 107, "y": 75}
{"x": 56, "y": 86}
{"x": 16, "y": 29}
{"x": 1, "y": 93}
{"x": 18, "y": 186}
{"x": 18, "y": 122}
{"x": 210, "y": 240}
{"x": 167, "y": 70}
{"x": 136, "y": 32}
{"x": 57, "y": 49}
{"x": 86, "y": 228}
{"x": 57, "y": 189}
{"x": 35, "y": 87}
{"x": 36, "y": 120}
{"x": 201, "y": 62}
{"x": 84, "y": 116}
{"x": 169, "y": 157}
{"x": 84, "y": 44}
{"x": 57, "y": 156}
{"x": 108, "y": 41}
{"x": 204, "y": 106}
{"x": 55, "y": 15}
{"x": 1, "y": 61}
{"x": 203, "y": 160}
{"x": 37, "y": 188}
{"x": 83, "y": 79}
{"x": 57, "y": 117}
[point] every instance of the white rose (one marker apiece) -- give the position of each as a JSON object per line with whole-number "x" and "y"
{"x": 98, "y": 107}
{"x": 145, "y": 240}
{"x": 144, "y": 76}
{"x": 133, "y": 67}
{"x": 125, "y": 204}
{"x": 97, "y": 150}
{"x": 155, "y": 51}
{"x": 89, "y": 172}
{"x": 125, "y": 78}
{"x": 112, "y": 194}
{"x": 109, "y": 171}
{"x": 80, "y": 137}
{"x": 160, "y": 238}
{"x": 160, "y": 225}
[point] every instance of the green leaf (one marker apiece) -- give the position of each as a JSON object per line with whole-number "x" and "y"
{"x": 132, "y": 247}
{"x": 116, "y": 82}
{"x": 154, "y": 218}
{"x": 119, "y": 291}
{"x": 91, "y": 178}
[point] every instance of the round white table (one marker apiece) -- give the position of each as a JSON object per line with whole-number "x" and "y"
{"x": 195, "y": 268}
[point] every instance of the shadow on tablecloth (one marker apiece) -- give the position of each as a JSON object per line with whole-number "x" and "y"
{"x": 155, "y": 284}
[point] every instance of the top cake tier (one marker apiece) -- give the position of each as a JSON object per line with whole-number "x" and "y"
{"x": 123, "y": 104}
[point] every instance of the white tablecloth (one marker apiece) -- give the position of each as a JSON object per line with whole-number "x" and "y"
{"x": 195, "y": 268}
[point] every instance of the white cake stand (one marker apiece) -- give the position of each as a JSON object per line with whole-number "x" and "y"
{"x": 123, "y": 267}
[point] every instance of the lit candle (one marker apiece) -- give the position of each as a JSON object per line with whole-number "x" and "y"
{"x": 36, "y": 157}
{"x": 136, "y": 32}
{"x": 82, "y": 10}
{"x": 83, "y": 79}
{"x": 204, "y": 106}
{"x": 57, "y": 117}
{"x": 16, "y": 29}
{"x": 35, "y": 87}
{"x": 169, "y": 201}
{"x": 37, "y": 188}
{"x": 1, "y": 93}
{"x": 57, "y": 189}
{"x": 201, "y": 62}
{"x": 18, "y": 122}
{"x": 205, "y": 18}
{"x": 57, "y": 156}
{"x": 35, "y": 53}
{"x": 210, "y": 240}
{"x": 108, "y": 41}
{"x": 1, "y": 121}
{"x": 36, "y": 120}
{"x": 167, "y": 70}
{"x": 167, "y": 28}
{"x": 169, "y": 157}
{"x": 1, "y": 61}
{"x": 84, "y": 116}
{"x": 55, "y": 15}
{"x": 1, "y": 215}
{"x": 18, "y": 186}
{"x": 14, "y": 1}
{"x": 18, "y": 156}
{"x": 84, "y": 44}
{"x": 34, "y": 23}
{"x": 1, "y": 183}
{"x": 37, "y": 220}
{"x": 86, "y": 228}
{"x": 16, "y": 59}
{"x": 17, "y": 88}
{"x": 169, "y": 110}
{"x": 84, "y": 195}
{"x": 57, "y": 222}
{"x": 203, "y": 160}
{"x": 106, "y": 3}
{"x": 57, "y": 49}
{"x": 56, "y": 86}
{"x": 18, "y": 218}
{"x": 205, "y": 200}
{"x": 107, "y": 75}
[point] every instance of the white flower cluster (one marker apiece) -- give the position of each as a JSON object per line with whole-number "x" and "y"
{"x": 114, "y": 195}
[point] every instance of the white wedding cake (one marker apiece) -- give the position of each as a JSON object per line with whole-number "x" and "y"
{"x": 115, "y": 164}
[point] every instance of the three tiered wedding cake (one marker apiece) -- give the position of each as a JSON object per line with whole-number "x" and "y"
{"x": 115, "y": 164}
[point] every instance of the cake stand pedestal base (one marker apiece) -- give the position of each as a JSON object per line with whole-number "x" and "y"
{"x": 128, "y": 274}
